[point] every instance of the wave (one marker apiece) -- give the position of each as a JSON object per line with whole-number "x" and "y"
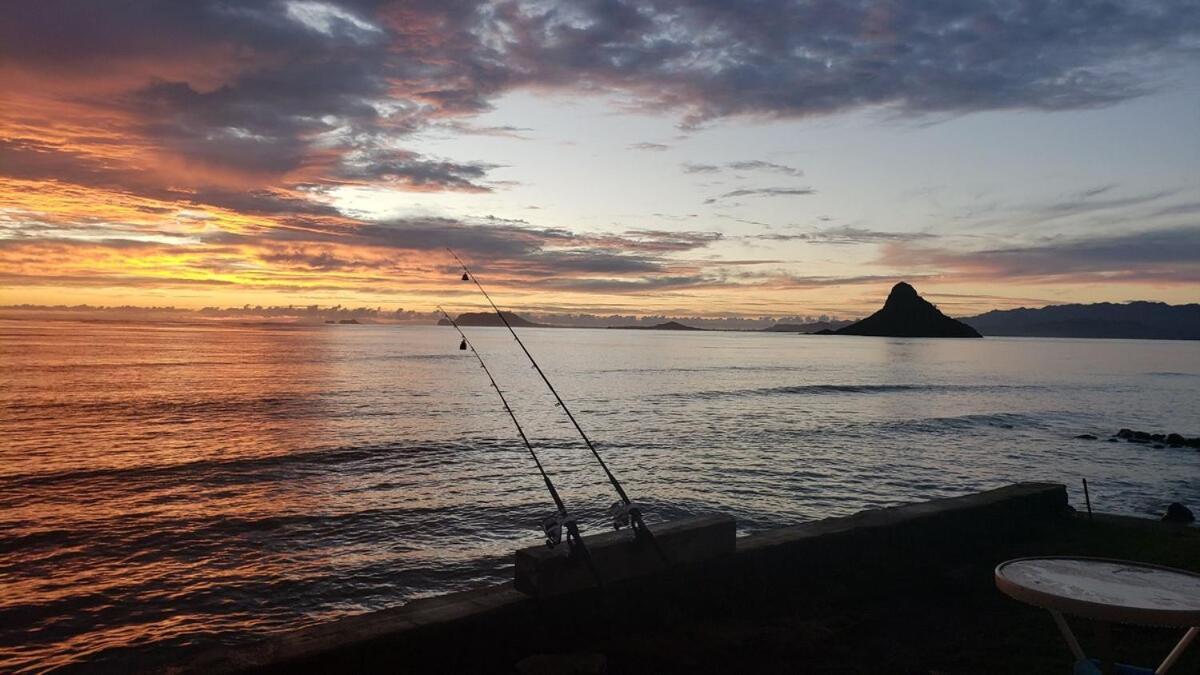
{"x": 838, "y": 389}
{"x": 261, "y": 468}
{"x": 937, "y": 425}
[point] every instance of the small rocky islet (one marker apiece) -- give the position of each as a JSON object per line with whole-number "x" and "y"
{"x": 1171, "y": 440}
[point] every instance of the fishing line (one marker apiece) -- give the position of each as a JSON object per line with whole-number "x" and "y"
{"x": 553, "y": 526}
{"x": 624, "y": 512}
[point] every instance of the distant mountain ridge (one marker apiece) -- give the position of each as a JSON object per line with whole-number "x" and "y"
{"x": 1131, "y": 320}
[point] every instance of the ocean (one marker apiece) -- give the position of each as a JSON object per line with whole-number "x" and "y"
{"x": 165, "y": 488}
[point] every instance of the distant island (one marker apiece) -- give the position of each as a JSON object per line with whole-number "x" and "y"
{"x": 1131, "y": 320}
{"x": 907, "y": 314}
{"x": 669, "y": 325}
{"x": 490, "y": 319}
{"x": 814, "y": 327}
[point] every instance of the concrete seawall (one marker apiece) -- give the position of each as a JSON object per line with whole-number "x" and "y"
{"x": 872, "y": 548}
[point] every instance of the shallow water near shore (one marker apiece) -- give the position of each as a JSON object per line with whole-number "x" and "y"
{"x": 169, "y": 487}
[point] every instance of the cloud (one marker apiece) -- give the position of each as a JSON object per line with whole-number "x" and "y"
{"x": 657, "y": 241}
{"x": 844, "y": 235}
{"x": 747, "y": 165}
{"x": 498, "y": 131}
{"x": 1169, "y": 256}
{"x": 769, "y": 167}
{"x": 349, "y": 255}
{"x": 761, "y": 192}
{"x": 781, "y": 58}
{"x": 413, "y": 171}
{"x": 1086, "y": 202}
{"x": 210, "y": 133}
{"x": 649, "y": 147}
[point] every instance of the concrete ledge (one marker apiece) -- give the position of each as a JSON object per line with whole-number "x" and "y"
{"x": 871, "y": 549}
{"x": 901, "y": 539}
{"x": 1011, "y": 503}
{"x": 618, "y": 556}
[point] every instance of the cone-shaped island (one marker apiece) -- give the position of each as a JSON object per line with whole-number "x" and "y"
{"x": 906, "y": 314}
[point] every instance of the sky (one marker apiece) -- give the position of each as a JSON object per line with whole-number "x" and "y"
{"x": 766, "y": 158}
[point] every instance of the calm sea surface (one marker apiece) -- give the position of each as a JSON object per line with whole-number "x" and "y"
{"x": 165, "y": 488}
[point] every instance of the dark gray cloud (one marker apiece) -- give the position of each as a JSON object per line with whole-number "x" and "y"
{"x": 267, "y": 87}
{"x": 844, "y": 235}
{"x": 499, "y": 131}
{"x": 570, "y": 264}
{"x": 324, "y": 261}
{"x": 1167, "y": 255}
{"x": 769, "y": 167}
{"x": 747, "y": 165}
{"x": 1183, "y": 209}
{"x": 761, "y": 192}
{"x": 656, "y": 241}
{"x": 276, "y": 94}
{"x": 38, "y": 161}
{"x": 413, "y": 170}
{"x": 1087, "y": 202}
{"x": 787, "y": 58}
{"x": 649, "y": 147}
{"x": 513, "y": 248}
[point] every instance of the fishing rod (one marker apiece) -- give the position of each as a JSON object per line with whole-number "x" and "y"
{"x": 553, "y": 525}
{"x": 624, "y": 512}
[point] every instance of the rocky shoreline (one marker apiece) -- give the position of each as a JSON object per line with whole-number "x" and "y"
{"x": 1176, "y": 512}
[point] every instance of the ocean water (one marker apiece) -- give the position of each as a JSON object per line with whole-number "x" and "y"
{"x": 166, "y": 488}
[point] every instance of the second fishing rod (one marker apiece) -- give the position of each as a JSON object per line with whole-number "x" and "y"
{"x": 553, "y": 526}
{"x": 625, "y": 512}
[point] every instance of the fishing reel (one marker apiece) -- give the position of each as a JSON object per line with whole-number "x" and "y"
{"x": 553, "y": 526}
{"x": 621, "y": 513}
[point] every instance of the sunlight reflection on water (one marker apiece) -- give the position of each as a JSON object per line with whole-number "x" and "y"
{"x": 180, "y": 485}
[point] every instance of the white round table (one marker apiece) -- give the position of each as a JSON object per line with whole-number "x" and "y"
{"x": 1108, "y": 591}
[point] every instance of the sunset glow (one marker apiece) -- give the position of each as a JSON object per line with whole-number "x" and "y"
{"x": 598, "y": 157}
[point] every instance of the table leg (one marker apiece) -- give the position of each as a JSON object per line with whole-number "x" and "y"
{"x": 1177, "y": 651}
{"x": 1104, "y": 647}
{"x": 1072, "y": 643}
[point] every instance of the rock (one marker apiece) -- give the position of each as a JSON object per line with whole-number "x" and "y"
{"x": 1159, "y": 446}
{"x": 1160, "y": 440}
{"x": 1178, "y": 513}
{"x": 907, "y": 314}
{"x": 1086, "y": 437}
{"x": 563, "y": 664}
{"x": 1113, "y": 440}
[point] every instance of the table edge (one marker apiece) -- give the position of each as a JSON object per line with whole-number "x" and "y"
{"x": 1093, "y": 610}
